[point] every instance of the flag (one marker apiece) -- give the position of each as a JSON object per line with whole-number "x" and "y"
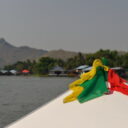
{"x": 88, "y": 87}
{"x": 95, "y": 83}
{"x": 95, "y": 87}
{"x": 117, "y": 83}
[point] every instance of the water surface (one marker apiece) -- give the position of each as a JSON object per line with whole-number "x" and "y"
{"x": 21, "y": 95}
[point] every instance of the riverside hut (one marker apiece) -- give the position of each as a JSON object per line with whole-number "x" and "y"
{"x": 25, "y": 72}
{"x": 121, "y": 71}
{"x": 57, "y": 71}
{"x": 13, "y": 72}
{"x": 4, "y": 72}
{"x": 81, "y": 68}
{"x": 87, "y": 69}
{"x": 77, "y": 71}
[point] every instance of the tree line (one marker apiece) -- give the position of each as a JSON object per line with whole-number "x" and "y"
{"x": 44, "y": 64}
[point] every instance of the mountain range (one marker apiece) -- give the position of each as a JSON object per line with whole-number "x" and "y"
{"x": 60, "y": 54}
{"x": 10, "y": 54}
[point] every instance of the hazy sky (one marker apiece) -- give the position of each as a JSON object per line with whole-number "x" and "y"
{"x": 76, "y": 25}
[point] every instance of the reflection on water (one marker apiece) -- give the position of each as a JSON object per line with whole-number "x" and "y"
{"x": 21, "y": 95}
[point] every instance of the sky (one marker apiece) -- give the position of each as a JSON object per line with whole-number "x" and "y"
{"x": 74, "y": 25}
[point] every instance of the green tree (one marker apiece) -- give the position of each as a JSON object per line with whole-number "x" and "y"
{"x": 75, "y": 61}
{"x": 45, "y": 64}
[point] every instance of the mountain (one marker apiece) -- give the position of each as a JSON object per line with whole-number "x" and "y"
{"x": 10, "y": 54}
{"x": 60, "y": 54}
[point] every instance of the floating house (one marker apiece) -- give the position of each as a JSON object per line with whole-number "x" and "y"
{"x": 87, "y": 69}
{"x": 81, "y": 68}
{"x": 4, "y": 72}
{"x": 57, "y": 71}
{"x": 121, "y": 71}
{"x": 77, "y": 71}
{"x": 13, "y": 72}
{"x": 25, "y": 72}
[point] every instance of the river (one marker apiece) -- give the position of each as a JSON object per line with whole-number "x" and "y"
{"x": 21, "y": 95}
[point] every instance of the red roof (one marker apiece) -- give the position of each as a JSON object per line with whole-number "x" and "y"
{"x": 25, "y": 71}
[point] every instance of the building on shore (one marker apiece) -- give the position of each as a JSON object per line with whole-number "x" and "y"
{"x": 13, "y": 72}
{"x": 57, "y": 71}
{"x": 81, "y": 68}
{"x": 121, "y": 71}
{"x": 25, "y": 72}
{"x": 77, "y": 71}
{"x": 87, "y": 69}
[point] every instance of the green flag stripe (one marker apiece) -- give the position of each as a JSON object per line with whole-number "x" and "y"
{"x": 95, "y": 87}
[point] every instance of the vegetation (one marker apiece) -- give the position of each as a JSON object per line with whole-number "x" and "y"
{"x": 44, "y": 64}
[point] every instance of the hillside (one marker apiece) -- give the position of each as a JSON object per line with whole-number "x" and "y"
{"x": 60, "y": 54}
{"x": 10, "y": 54}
